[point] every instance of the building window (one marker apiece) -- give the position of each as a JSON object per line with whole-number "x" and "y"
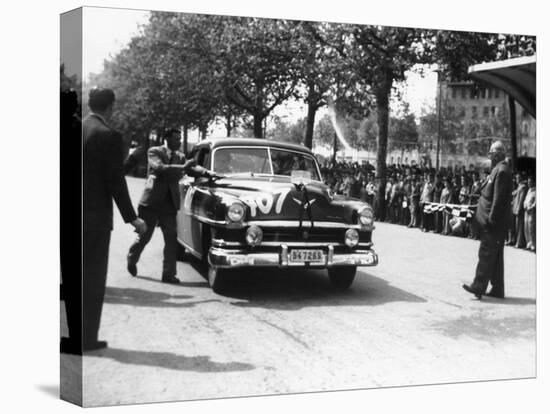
{"x": 493, "y": 110}
{"x": 489, "y": 93}
{"x": 485, "y": 111}
{"x": 497, "y": 93}
{"x": 474, "y": 111}
{"x": 472, "y": 93}
{"x": 453, "y": 93}
{"x": 483, "y": 94}
{"x": 463, "y": 93}
{"x": 462, "y": 112}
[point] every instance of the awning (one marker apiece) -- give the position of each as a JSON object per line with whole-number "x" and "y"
{"x": 517, "y": 77}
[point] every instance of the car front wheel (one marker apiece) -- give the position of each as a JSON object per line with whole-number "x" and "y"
{"x": 342, "y": 277}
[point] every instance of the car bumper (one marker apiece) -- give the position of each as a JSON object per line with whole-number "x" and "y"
{"x": 226, "y": 258}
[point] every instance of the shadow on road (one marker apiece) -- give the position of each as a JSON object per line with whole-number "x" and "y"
{"x": 182, "y": 283}
{"x": 510, "y": 301}
{"x": 298, "y": 289}
{"x": 487, "y": 328}
{"x": 172, "y": 361}
{"x": 140, "y": 297}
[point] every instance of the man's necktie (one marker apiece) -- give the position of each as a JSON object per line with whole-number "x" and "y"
{"x": 173, "y": 157}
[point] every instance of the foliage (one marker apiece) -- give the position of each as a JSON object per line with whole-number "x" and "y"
{"x": 288, "y": 132}
{"x": 324, "y": 131}
{"x": 403, "y": 132}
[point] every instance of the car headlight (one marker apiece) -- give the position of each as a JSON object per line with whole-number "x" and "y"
{"x": 254, "y": 235}
{"x": 352, "y": 238}
{"x": 365, "y": 217}
{"x": 235, "y": 212}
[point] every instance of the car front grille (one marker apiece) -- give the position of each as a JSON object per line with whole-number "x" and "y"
{"x": 292, "y": 235}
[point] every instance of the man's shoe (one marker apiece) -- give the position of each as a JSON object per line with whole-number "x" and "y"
{"x": 132, "y": 269}
{"x": 469, "y": 289}
{"x": 495, "y": 295}
{"x": 70, "y": 346}
{"x": 172, "y": 280}
{"x": 94, "y": 346}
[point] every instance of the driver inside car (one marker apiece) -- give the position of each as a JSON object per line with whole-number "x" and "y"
{"x": 223, "y": 162}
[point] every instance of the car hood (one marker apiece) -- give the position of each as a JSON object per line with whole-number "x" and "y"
{"x": 276, "y": 198}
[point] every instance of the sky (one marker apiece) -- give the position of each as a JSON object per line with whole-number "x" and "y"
{"x": 100, "y": 44}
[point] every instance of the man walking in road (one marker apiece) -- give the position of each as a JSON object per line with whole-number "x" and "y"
{"x": 103, "y": 181}
{"x": 493, "y": 215}
{"x": 160, "y": 202}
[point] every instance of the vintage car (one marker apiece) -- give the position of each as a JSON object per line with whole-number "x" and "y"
{"x": 270, "y": 208}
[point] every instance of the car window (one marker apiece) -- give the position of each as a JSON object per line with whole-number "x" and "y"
{"x": 284, "y": 162}
{"x": 236, "y": 160}
{"x": 203, "y": 157}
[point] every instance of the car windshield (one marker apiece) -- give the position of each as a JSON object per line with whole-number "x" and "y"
{"x": 255, "y": 160}
{"x": 233, "y": 160}
{"x": 284, "y": 162}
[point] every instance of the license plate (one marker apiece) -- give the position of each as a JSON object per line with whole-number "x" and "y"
{"x": 307, "y": 256}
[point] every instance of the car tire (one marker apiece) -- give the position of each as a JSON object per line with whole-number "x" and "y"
{"x": 342, "y": 277}
{"x": 180, "y": 253}
{"x": 216, "y": 278}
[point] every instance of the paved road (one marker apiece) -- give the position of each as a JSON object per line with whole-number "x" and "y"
{"x": 406, "y": 321}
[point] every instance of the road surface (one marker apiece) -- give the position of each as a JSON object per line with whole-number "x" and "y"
{"x": 405, "y": 322}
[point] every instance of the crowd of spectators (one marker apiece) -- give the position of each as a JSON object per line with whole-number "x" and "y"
{"x": 410, "y": 187}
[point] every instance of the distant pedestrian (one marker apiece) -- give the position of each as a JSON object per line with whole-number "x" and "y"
{"x": 529, "y": 205}
{"x": 518, "y": 211}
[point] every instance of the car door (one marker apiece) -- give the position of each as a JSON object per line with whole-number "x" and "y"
{"x": 189, "y": 230}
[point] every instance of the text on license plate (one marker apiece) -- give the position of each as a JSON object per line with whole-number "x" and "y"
{"x": 306, "y": 256}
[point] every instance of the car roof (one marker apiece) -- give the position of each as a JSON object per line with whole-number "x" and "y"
{"x": 251, "y": 142}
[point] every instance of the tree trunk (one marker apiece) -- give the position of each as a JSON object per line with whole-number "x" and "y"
{"x": 310, "y": 124}
{"x": 185, "y": 138}
{"x": 258, "y": 127}
{"x": 228, "y": 123}
{"x": 311, "y": 110}
{"x": 382, "y": 95}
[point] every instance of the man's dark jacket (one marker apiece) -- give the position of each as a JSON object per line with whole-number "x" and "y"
{"x": 103, "y": 176}
{"x": 494, "y": 205}
{"x": 162, "y": 187}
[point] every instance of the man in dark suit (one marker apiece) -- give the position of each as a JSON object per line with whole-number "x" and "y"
{"x": 103, "y": 182}
{"x": 160, "y": 202}
{"x": 493, "y": 216}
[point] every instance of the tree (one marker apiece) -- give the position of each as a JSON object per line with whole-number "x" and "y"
{"x": 255, "y": 61}
{"x": 368, "y": 133}
{"x": 403, "y": 132}
{"x": 285, "y": 131}
{"x": 324, "y": 132}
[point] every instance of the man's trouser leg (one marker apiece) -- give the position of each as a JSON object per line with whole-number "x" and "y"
{"x": 150, "y": 217}
{"x": 94, "y": 277}
{"x": 490, "y": 266}
{"x": 168, "y": 225}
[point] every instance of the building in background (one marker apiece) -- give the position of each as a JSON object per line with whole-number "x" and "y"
{"x": 473, "y": 116}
